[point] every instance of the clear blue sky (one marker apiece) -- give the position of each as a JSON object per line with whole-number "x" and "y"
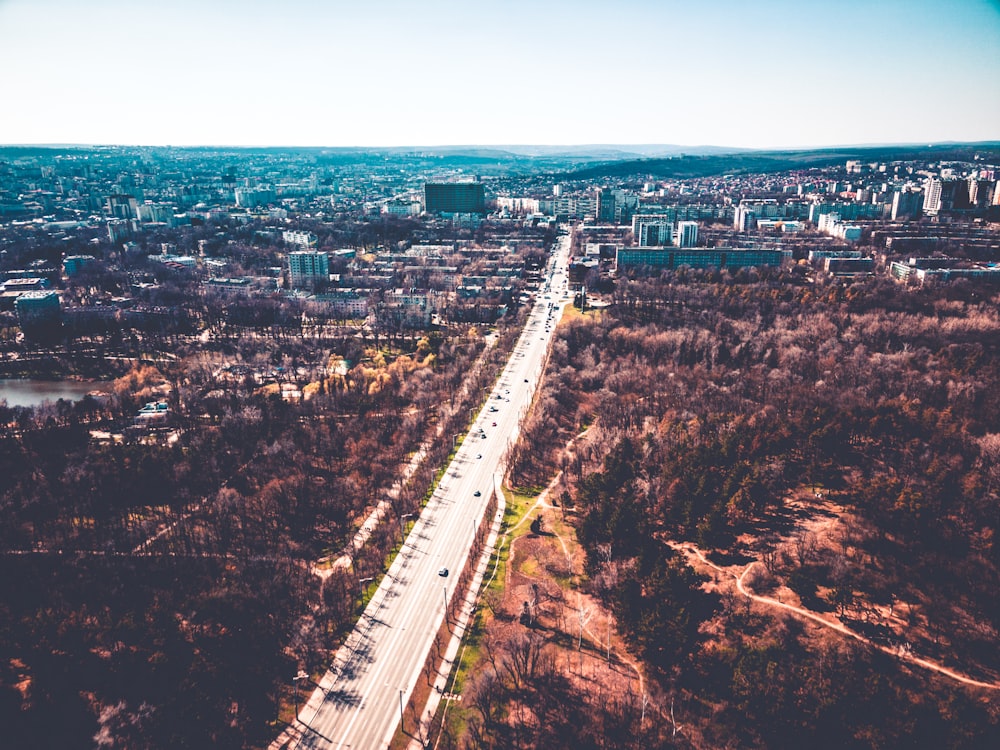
{"x": 771, "y": 73}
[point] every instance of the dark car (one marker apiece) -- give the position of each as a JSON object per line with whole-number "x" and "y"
{"x": 477, "y": 493}
{"x": 443, "y": 572}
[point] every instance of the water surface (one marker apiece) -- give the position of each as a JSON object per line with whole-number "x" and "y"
{"x": 31, "y": 392}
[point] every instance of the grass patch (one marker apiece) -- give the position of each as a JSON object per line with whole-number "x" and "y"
{"x": 515, "y": 524}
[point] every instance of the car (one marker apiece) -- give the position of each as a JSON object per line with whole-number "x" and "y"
{"x": 494, "y": 424}
{"x": 443, "y": 572}
{"x": 479, "y": 455}
{"x": 525, "y": 380}
{"x": 477, "y": 493}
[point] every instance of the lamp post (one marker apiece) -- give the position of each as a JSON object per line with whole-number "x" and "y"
{"x": 300, "y": 676}
{"x": 361, "y": 588}
{"x": 402, "y": 531}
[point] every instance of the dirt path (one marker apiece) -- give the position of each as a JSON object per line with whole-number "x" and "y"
{"x": 899, "y": 653}
{"x": 593, "y": 639}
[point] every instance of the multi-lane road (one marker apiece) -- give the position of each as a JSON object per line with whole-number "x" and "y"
{"x": 358, "y": 702}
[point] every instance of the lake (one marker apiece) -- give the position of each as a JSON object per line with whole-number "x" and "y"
{"x": 29, "y": 392}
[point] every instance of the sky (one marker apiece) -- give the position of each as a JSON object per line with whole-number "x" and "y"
{"x": 764, "y": 74}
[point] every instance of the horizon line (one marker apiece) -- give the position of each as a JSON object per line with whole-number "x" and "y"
{"x": 502, "y": 146}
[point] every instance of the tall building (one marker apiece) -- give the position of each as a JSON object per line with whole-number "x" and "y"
{"x": 687, "y": 233}
{"x": 906, "y": 204}
{"x": 606, "y": 205}
{"x": 744, "y": 218}
{"x": 307, "y": 267}
{"x": 653, "y": 233}
{"x": 121, "y": 206}
{"x": 454, "y": 198}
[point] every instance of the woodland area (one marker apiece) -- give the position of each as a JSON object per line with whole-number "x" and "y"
{"x": 714, "y": 399}
{"x": 159, "y": 589}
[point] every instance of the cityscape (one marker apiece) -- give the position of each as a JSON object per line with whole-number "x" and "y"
{"x": 661, "y": 409}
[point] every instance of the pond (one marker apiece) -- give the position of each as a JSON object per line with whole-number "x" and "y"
{"x": 31, "y": 392}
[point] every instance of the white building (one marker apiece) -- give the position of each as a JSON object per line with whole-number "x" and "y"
{"x": 302, "y": 239}
{"x": 306, "y": 267}
{"x": 687, "y": 234}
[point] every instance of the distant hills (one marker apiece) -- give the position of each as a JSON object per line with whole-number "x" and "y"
{"x": 587, "y": 162}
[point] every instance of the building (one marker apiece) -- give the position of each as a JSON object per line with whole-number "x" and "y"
{"x": 120, "y": 229}
{"x": 932, "y": 196}
{"x": 402, "y": 308}
{"x": 121, "y": 206}
{"x": 73, "y": 264}
{"x": 906, "y": 204}
{"x": 229, "y": 286}
{"x": 928, "y": 270}
{"x": 304, "y": 240}
{"x": 401, "y": 208}
{"x": 37, "y": 309}
{"x": 307, "y": 267}
{"x": 615, "y": 206}
{"x": 155, "y": 213}
{"x": 823, "y": 254}
{"x": 687, "y": 234}
{"x": 606, "y": 205}
{"x": 254, "y": 197}
{"x": 454, "y": 197}
{"x": 720, "y": 257}
{"x": 832, "y": 225}
{"x": 656, "y": 233}
{"x": 345, "y": 303}
{"x": 849, "y": 266}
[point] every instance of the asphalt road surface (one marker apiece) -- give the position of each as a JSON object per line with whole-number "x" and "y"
{"x": 358, "y": 702}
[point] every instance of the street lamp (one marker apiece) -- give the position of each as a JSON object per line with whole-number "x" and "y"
{"x": 361, "y": 588}
{"x": 300, "y": 676}
{"x": 402, "y": 532}
{"x": 401, "y": 727}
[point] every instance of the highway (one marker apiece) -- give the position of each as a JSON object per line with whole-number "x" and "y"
{"x": 358, "y": 703}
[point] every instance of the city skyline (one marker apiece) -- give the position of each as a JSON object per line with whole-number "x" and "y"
{"x": 774, "y": 75}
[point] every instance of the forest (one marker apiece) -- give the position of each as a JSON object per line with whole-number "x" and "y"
{"x": 720, "y": 412}
{"x": 161, "y": 587}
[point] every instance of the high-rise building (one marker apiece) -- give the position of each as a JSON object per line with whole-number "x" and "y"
{"x": 653, "y": 233}
{"x": 606, "y": 205}
{"x": 121, "y": 206}
{"x": 308, "y": 267}
{"x": 454, "y": 198}
{"x": 687, "y": 233}
{"x": 906, "y": 204}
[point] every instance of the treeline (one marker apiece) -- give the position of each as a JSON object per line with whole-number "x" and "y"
{"x": 711, "y": 399}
